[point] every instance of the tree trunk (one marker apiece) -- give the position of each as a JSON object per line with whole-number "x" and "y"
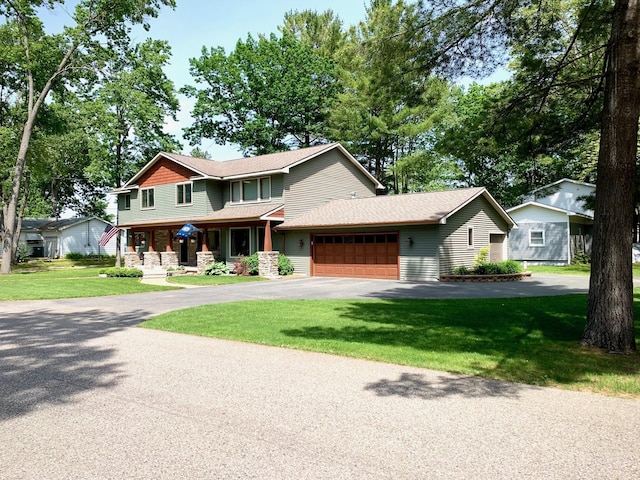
{"x": 610, "y": 322}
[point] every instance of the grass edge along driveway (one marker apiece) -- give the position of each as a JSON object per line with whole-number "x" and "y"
{"x": 526, "y": 340}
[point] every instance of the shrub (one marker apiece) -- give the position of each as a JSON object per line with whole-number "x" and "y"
{"x": 511, "y": 266}
{"x": 491, "y": 268}
{"x": 581, "y": 258}
{"x": 217, "y": 268}
{"x": 285, "y": 267}
{"x": 121, "y": 272}
{"x": 481, "y": 257}
{"x": 252, "y": 264}
{"x": 462, "y": 270}
{"x": 22, "y": 253}
{"x": 90, "y": 256}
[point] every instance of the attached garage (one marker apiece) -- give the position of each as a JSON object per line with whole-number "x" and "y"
{"x": 357, "y": 255}
{"x": 416, "y": 236}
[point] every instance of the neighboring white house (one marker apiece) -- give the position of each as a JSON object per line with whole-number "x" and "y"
{"x": 47, "y": 237}
{"x": 554, "y": 224}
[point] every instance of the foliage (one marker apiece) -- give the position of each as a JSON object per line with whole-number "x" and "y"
{"x": 252, "y": 264}
{"x": 217, "y": 268}
{"x": 42, "y": 68}
{"x": 88, "y": 256}
{"x": 481, "y": 257}
{"x": 581, "y": 258}
{"x": 387, "y": 113}
{"x": 268, "y": 95}
{"x": 490, "y": 268}
{"x": 121, "y": 272}
{"x": 22, "y": 253}
{"x": 285, "y": 267}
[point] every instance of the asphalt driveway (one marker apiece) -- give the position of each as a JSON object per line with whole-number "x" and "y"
{"x": 84, "y": 394}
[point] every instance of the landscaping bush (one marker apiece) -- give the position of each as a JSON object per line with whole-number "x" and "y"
{"x": 217, "y": 268}
{"x": 251, "y": 265}
{"x": 491, "y": 268}
{"x": 121, "y": 272}
{"x": 90, "y": 256}
{"x": 285, "y": 267}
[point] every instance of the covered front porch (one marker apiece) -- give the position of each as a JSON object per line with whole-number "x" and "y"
{"x": 170, "y": 244}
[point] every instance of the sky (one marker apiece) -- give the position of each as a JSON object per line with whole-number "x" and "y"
{"x": 214, "y": 23}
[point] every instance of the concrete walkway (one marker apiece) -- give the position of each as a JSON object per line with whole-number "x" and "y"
{"x": 83, "y": 394}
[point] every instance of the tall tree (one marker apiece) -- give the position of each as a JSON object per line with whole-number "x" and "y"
{"x": 388, "y": 108}
{"x": 564, "y": 47}
{"x": 268, "y": 95}
{"x": 37, "y": 72}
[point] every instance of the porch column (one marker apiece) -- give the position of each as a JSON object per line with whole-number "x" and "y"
{"x": 169, "y": 246}
{"x": 267, "y": 237}
{"x": 205, "y": 241}
{"x": 131, "y": 241}
{"x": 151, "y": 241}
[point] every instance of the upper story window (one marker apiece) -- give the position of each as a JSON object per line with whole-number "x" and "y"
{"x": 183, "y": 194}
{"x": 147, "y": 198}
{"x": 254, "y": 190}
{"x": 536, "y": 238}
{"x": 126, "y": 201}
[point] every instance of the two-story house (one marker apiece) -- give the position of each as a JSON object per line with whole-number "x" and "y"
{"x": 317, "y": 205}
{"x": 554, "y": 224}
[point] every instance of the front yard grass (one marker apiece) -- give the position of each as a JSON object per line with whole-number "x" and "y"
{"x": 42, "y": 283}
{"x": 577, "y": 269}
{"x": 527, "y": 340}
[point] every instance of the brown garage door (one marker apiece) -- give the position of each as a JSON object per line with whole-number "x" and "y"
{"x": 359, "y": 255}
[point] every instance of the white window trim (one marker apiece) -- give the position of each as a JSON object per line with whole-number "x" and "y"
{"x": 470, "y": 235}
{"x": 531, "y": 244}
{"x": 258, "y": 188}
{"x": 142, "y": 190}
{"x": 231, "y": 255}
{"x": 178, "y": 204}
{"x": 124, "y": 201}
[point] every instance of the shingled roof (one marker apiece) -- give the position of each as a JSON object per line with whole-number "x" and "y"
{"x": 279, "y": 162}
{"x": 228, "y": 214}
{"x": 416, "y": 208}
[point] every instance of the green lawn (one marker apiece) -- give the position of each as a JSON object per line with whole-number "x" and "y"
{"x": 40, "y": 283}
{"x": 580, "y": 269}
{"x": 527, "y": 340}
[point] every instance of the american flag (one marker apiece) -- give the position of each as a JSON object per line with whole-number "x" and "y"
{"x": 109, "y": 232}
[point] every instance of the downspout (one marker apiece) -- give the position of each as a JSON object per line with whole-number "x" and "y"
{"x": 568, "y": 240}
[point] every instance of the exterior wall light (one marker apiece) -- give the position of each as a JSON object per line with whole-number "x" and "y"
{"x": 301, "y": 243}
{"x": 410, "y": 241}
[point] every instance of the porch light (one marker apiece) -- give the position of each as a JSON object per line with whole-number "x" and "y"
{"x": 410, "y": 241}
{"x": 193, "y": 240}
{"x": 301, "y": 243}
{"x": 181, "y": 240}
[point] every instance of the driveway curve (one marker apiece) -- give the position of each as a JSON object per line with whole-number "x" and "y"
{"x": 83, "y": 394}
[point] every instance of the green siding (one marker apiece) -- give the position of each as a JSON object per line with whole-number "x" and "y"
{"x": 214, "y": 195}
{"x": 419, "y": 261}
{"x": 300, "y": 256}
{"x": 330, "y": 176}
{"x": 484, "y": 220}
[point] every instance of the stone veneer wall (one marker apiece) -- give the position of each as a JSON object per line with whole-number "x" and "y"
{"x": 151, "y": 259}
{"x": 268, "y": 264}
{"x": 169, "y": 259}
{"x": 131, "y": 260}
{"x": 204, "y": 260}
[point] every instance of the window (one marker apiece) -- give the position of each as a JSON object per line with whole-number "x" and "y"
{"x": 251, "y": 190}
{"x": 536, "y": 238}
{"x": 265, "y": 188}
{"x": 148, "y": 199}
{"x": 239, "y": 241}
{"x": 213, "y": 240}
{"x": 183, "y": 194}
{"x": 126, "y": 200}
{"x": 470, "y": 237}
{"x": 236, "y": 191}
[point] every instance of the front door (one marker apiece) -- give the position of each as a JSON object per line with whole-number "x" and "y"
{"x": 184, "y": 252}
